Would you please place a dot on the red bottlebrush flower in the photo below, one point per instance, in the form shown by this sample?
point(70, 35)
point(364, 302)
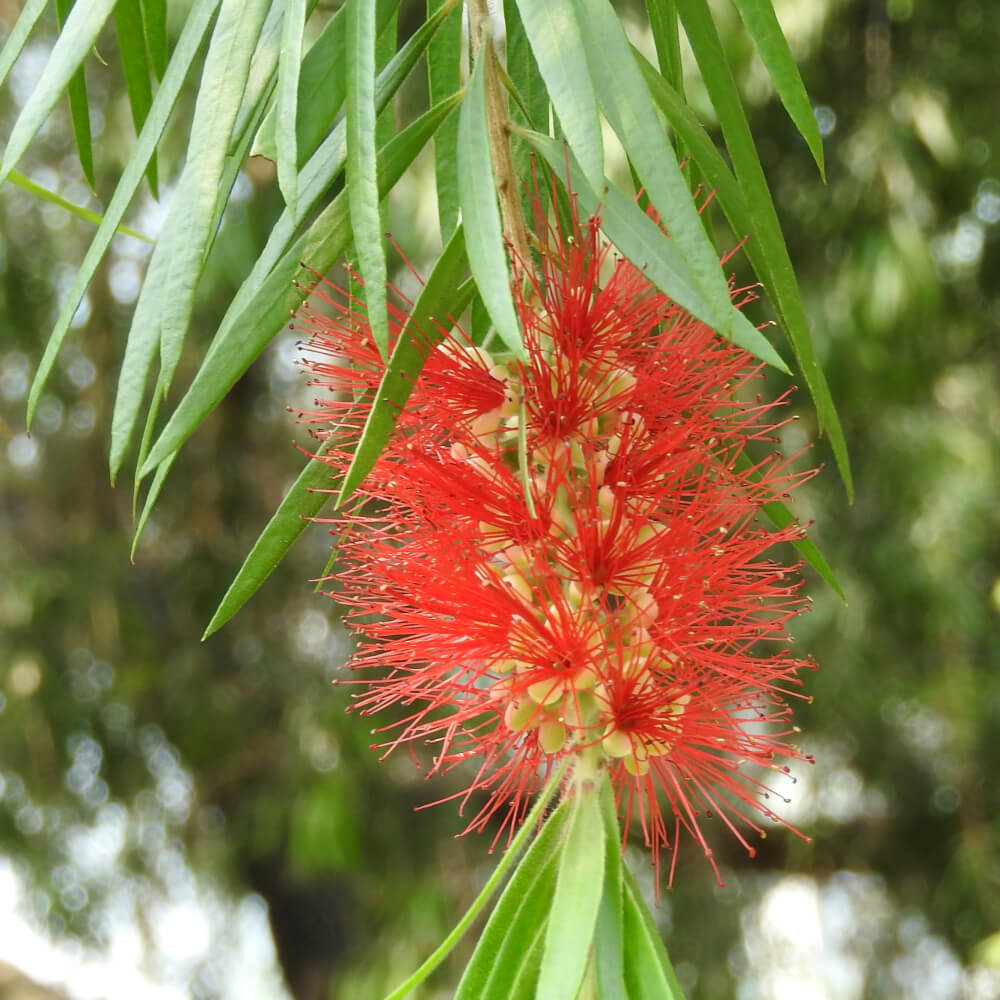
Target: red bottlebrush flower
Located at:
point(563, 555)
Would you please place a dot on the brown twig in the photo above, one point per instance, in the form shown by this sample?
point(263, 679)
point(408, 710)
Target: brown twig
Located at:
point(482, 47)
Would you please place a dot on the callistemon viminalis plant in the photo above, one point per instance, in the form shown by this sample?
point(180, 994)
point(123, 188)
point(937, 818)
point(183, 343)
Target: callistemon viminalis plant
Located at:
point(563, 555)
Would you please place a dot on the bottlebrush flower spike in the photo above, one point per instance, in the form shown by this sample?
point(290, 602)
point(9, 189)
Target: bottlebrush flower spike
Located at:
point(563, 556)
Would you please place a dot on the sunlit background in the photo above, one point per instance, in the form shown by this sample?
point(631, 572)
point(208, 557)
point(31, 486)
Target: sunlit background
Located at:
point(180, 819)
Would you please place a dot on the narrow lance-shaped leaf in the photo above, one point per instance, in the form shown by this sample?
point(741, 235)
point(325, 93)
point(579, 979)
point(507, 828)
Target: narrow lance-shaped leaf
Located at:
point(772, 47)
point(666, 38)
point(256, 98)
point(132, 46)
point(648, 972)
point(441, 297)
point(195, 26)
point(528, 829)
point(79, 107)
point(255, 313)
point(444, 79)
point(76, 39)
point(154, 26)
point(480, 214)
point(12, 48)
point(16, 177)
point(289, 62)
point(629, 108)
point(362, 188)
point(556, 35)
point(304, 499)
point(577, 897)
point(322, 87)
point(609, 931)
point(644, 243)
point(521, 910)
point(289, 521)
point(167, 295)
point(704, 38)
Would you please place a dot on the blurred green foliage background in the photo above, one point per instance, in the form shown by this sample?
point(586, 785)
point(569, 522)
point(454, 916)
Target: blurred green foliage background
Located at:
point(148, 780)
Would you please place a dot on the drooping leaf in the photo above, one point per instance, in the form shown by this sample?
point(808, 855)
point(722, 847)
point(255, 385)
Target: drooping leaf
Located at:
point(79, 32)
point(647, 246)
point(362, 187)
point(44, 194)
point(772, 47)
point(609, 931)
point(521, 910)
point(165, 301)
point(442, 296)
point(444, 78)
point(666, 38)
point(577, 898)
point(528, 829)
point(299, 504)
point(704, 39)
point(648, 972)
point(258, 312)
point(523, 70)
point(195, 26)
point(780, 516)
point(79, 107)
point(322, 87)
point(132, 46)
point(154, 26)
point(629, 108)
point(289, 63)
point(480, 214)
point(304, 499)
point(555, 33)
point(12, 48)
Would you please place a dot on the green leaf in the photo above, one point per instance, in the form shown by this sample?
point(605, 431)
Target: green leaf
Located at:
point(609, 931)
point(444, 79)
point(195, 26)
point(304, 500)
point(289, 63)
point(523, 69)
point(666, 38)
point(704, 39)
point(525, 983)
point(261, 306)
point(362, 187)
point(556, 35)
point(76, 39)
point(521, 910)
point(648, 972)
point(630, 110)
point(162, 313)
point(322, 87)
point(132, 46)
point(480, 214)
point(440, 298)
point(154, 26)
point(79, 107)
point(528, 826)
point(12, 48)
point(772, 46)
point(647, 246)
point(16, 177)
point(781, 517)
point(576, 901)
